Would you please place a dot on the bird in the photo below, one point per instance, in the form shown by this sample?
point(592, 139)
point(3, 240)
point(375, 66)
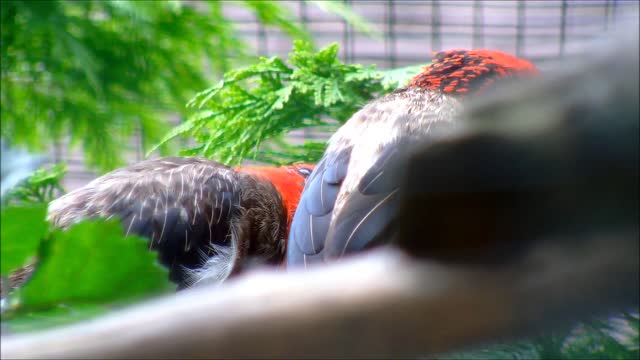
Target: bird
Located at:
point(349, 202)
point(206, 220)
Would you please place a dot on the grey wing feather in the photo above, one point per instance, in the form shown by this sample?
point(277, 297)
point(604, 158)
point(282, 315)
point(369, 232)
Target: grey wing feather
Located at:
point(349, 202)
point(313, 215)
point(369, 210)
point(368, 213)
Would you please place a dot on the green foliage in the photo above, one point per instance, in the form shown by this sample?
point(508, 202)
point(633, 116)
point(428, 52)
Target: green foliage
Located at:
point(90, 266)
point(41, 187)
point(613, 338)
point(75, 267)
point(248, 113)
point(353, 19)
point(17, 165)
point(96, 70)
point(400, 76)
point(23, 216)
point(271, 13)
point(616, 337)
point(22, 229)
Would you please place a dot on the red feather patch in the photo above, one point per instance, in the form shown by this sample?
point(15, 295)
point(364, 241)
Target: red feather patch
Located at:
point(470, 71)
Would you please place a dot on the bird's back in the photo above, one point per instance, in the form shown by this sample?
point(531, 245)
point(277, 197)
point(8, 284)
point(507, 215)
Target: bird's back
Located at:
point(194, 212)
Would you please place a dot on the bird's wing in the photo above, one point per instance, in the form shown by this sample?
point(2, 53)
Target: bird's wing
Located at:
point(183, 205)
point(349, 200)
point(320, 230)
point(313, 215)
point(368, 209)
point(367, 213)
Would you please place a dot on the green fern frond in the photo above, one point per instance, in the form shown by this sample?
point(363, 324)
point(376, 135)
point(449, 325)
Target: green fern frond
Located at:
point(268, 99)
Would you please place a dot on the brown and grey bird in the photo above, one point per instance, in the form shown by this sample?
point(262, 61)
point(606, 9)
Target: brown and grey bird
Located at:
point(204, 218)
point(350, 199)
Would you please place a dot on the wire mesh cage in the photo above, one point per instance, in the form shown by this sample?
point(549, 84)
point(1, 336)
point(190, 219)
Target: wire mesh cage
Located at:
point(410, 30)
point(406, 32)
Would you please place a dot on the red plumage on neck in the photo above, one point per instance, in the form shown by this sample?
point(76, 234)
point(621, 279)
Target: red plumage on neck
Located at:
point(287, 180)
point(470, 71)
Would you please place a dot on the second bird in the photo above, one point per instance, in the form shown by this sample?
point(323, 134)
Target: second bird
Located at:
point(350, 199)
point(204, 218)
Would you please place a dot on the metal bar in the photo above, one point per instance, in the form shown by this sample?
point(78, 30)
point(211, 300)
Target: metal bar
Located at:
point(261, 37)
point(563, 27)
point(436, 41)
point(346, 37)
point(521, 23)
point(478, 23)
point(607, 14)
point(390, 43)
point(306, 132)
point(352, 43)
point(543, 21)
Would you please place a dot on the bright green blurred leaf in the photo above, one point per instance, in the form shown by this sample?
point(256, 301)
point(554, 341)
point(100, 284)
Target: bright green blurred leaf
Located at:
point(271, 13)
point(345, 12)
point(22, 229)
point(42, 186)
point(394, 78)
point(93, 262)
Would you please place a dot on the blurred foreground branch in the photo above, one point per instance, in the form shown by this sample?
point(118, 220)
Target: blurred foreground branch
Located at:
point(551, 158)
point(380, 305)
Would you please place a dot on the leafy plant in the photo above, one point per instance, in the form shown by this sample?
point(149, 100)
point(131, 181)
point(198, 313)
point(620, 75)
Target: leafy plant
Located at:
point(249, 112)
point(92, 266)
point(42, 186)
point(75, 268)
point(17, 164)
point(94, 71)
point(22, 229)
point(614, 337)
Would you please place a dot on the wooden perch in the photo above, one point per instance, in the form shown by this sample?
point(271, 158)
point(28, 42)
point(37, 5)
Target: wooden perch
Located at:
point(380, 304)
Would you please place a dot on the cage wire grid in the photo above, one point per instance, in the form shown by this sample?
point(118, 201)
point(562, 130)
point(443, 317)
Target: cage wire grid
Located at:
point(542, 31)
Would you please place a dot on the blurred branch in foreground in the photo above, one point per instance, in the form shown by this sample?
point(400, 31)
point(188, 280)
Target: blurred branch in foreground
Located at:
point(556, 157)
point(380, 305)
